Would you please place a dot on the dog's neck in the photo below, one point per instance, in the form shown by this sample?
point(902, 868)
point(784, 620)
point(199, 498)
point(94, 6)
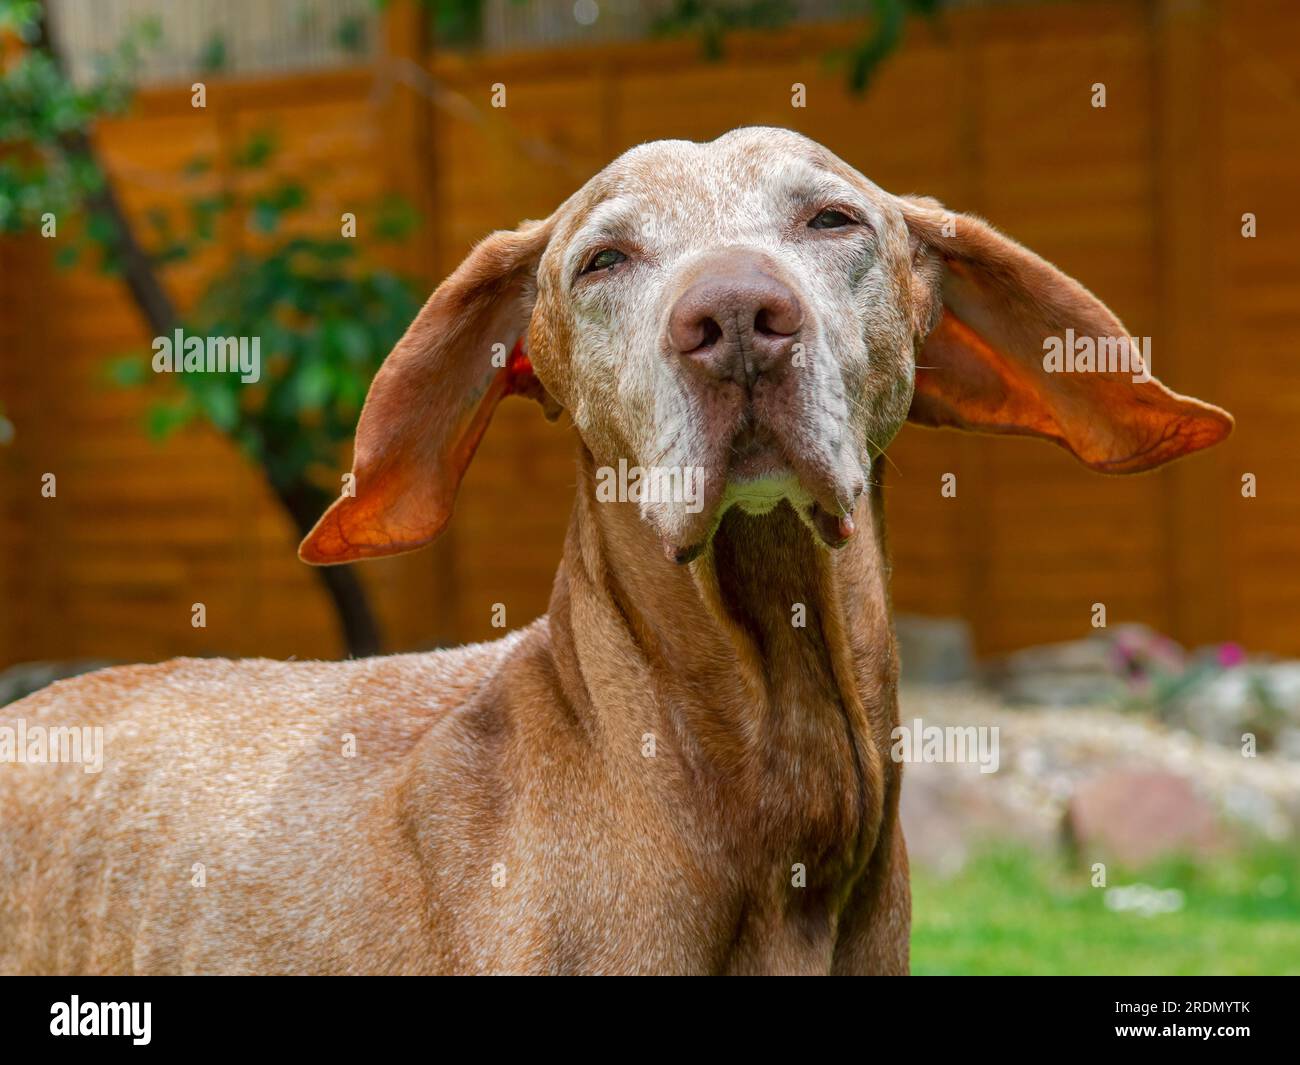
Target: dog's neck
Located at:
point(767, 666)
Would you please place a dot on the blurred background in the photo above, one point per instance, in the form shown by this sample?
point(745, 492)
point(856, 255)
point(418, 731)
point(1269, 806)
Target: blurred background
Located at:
point(306, 170)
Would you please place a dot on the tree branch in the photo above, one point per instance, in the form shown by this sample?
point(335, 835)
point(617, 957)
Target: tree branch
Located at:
point(137, 268)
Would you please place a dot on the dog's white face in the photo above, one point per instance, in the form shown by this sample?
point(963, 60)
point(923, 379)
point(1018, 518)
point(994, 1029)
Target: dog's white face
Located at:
point(741, 320)
point(739, 309)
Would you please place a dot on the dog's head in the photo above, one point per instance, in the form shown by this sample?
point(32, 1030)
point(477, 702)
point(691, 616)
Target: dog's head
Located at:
point(742, 322)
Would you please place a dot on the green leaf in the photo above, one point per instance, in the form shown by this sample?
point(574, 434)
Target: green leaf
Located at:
point(128, 371)
point(221, 405)
point(265, 217)
point(256, 150)
point(350, 34)
point(313, 386)
point(165, 418)
point(66, 257)
point(213, 57)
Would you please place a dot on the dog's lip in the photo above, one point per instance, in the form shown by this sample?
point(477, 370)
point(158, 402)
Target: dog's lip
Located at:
point(759, 452)
point(835, 530)
point(756, 453)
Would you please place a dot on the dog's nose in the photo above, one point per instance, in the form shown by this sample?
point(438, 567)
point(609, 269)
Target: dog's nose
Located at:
point(737, 321)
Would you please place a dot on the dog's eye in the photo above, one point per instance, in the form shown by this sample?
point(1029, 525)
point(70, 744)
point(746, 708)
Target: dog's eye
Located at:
point(603, 260)
point(830, 219)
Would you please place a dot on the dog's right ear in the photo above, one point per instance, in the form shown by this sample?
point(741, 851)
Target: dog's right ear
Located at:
point(431, 402)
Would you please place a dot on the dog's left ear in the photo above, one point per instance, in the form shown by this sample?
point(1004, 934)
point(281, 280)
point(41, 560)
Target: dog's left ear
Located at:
point(989, 310)
point(431, 402)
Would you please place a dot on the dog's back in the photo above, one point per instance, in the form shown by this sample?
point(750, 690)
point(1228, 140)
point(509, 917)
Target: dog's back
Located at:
point(248, 815)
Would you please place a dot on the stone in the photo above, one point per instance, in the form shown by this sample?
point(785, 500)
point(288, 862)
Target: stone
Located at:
point(950, 813)
point(934, 650)
point(1086, 672)
point(1260, 698)
point(1134, 816)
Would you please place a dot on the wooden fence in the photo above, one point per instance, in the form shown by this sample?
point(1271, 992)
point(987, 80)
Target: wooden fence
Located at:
point(989, 110)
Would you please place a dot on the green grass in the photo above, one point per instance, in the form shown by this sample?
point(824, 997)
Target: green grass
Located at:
point(1013, 913)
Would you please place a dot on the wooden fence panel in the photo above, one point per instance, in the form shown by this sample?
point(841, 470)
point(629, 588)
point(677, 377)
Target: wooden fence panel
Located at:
point(990, 111)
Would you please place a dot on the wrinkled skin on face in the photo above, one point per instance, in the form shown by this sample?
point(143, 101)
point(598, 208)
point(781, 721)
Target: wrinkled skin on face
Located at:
point(599, 339)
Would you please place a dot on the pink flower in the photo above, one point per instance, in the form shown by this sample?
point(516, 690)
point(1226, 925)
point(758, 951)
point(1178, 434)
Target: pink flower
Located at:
point(1230, 654)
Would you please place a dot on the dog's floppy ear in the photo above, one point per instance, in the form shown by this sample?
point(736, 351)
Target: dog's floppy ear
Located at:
point(990, 311)
point(431, 401)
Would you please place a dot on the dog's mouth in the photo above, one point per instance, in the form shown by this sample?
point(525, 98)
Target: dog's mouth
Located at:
point(760, 476)
point(762, 471)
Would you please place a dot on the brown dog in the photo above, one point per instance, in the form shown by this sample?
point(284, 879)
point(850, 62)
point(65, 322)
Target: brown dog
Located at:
point(684, 767)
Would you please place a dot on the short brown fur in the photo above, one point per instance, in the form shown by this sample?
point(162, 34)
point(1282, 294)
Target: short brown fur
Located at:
point(664, 774)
